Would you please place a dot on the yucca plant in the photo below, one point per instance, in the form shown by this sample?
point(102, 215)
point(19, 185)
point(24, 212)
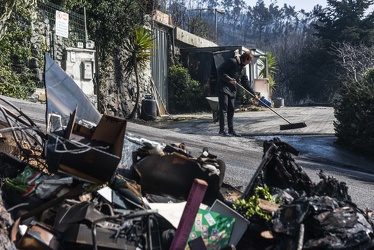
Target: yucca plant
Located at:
point(272, 69)
point(139, 48)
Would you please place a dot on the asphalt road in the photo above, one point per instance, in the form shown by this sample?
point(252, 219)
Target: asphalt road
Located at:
point(243, 155)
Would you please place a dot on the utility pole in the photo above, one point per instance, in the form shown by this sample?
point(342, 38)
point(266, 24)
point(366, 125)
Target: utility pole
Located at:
point(220, 11)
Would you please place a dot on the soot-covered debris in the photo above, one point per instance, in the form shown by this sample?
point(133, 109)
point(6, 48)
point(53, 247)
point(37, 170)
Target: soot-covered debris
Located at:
point(310, 215)
point(69, 201)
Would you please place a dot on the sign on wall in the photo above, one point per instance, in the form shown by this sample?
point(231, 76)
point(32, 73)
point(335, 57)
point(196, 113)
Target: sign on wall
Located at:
point(62, 24)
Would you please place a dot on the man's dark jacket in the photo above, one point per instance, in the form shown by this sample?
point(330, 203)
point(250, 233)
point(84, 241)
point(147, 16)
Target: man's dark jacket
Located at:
point(232, 68)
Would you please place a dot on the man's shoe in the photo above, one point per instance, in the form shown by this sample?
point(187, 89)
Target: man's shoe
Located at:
point(233, 133)
point(223, 133)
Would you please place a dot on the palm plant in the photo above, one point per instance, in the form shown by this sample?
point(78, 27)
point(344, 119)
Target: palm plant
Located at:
point(139, 48)
point(272, 69)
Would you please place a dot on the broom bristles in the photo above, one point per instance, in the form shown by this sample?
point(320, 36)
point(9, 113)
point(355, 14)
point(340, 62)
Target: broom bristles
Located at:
point(293, 126)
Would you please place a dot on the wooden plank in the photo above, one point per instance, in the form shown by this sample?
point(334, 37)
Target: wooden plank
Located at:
point(194, 199)
point(160, 103)
point(267, 205)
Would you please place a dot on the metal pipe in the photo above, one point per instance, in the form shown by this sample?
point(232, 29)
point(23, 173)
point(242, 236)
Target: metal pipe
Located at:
point(221, 11)
point(85, 25)
point(215, 17)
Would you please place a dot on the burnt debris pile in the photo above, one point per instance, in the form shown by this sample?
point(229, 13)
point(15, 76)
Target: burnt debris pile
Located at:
point(78, 194)
point(83, 183)
point(305, 215)
point(67, 188)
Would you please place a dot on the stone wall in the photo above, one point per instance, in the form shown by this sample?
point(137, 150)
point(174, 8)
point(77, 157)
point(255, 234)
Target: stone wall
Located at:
point(42, 40)
point(118, 92)
point(39, 42)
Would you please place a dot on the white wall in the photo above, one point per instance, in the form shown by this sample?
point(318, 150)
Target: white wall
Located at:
point(79, 64)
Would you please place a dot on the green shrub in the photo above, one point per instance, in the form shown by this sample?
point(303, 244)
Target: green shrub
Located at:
point(15, 53)
point(185, 93)
point(354, 113)
point(250, 208)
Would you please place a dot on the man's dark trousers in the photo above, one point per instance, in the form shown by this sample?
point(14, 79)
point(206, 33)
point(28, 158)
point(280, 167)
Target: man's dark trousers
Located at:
point(226, 109)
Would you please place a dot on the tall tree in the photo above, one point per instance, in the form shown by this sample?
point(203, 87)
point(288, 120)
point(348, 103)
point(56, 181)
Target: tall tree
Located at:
point(356, 60)
point(178, 14)
point(199, 26)
point(277, 20)
point(110, 22)
point(345, 21)
point(212, 4)
point(261, 20)
point(341, 21)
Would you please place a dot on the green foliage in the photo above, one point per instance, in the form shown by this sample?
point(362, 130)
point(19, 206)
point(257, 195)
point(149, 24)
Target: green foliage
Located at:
point(138, 47)
point(187, 93)
point(110, 22)
point(368, 75)
point(344, 21)
point(15, 53)
point(250, 209)
point(319, 72)
point(314, 74)
point(272, 69)
point(354, 113)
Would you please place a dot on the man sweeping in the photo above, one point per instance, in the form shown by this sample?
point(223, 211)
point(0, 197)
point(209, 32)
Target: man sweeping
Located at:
point(231, 72)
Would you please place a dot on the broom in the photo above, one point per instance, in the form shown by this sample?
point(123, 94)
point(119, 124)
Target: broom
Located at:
point(282, 127)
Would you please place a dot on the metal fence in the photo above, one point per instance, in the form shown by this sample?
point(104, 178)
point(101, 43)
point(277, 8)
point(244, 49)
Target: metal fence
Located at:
point(77, 30)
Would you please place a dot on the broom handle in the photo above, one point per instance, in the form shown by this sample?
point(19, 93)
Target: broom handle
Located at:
point(262, 102)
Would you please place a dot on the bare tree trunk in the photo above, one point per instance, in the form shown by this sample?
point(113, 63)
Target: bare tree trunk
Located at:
point(135, 109)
